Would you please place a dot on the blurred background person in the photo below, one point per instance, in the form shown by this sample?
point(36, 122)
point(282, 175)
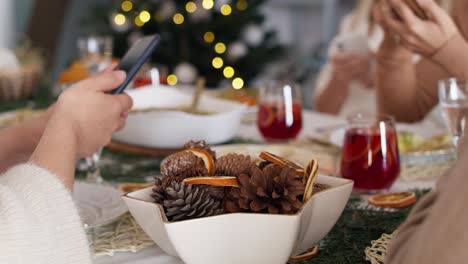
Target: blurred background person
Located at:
point(406, 90)
point(346, 83)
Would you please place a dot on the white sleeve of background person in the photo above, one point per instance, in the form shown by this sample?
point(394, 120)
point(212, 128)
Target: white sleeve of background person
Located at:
point(39, 222)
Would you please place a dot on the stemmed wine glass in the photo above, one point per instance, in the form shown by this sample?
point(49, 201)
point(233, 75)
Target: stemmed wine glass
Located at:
point(453, 98)
point(94, 173)
point(96, 54)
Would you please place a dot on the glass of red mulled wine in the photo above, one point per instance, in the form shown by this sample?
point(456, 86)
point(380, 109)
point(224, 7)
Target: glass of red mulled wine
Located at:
point(279, 115)
point(370, 153)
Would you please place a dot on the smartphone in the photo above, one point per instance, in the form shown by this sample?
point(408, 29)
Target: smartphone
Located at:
point(353, 42)
point(417, 10)
point(134, 59)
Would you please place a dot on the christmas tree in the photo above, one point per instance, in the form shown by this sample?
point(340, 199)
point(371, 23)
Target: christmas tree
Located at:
point(221, 40)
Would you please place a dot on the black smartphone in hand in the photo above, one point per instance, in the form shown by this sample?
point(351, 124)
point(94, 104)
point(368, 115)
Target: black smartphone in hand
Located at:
point(135, 58)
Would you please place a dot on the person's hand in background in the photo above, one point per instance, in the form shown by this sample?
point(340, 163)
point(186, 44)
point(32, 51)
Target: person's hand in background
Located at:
point(83, 120)
point(418, 35)
point(347, 67)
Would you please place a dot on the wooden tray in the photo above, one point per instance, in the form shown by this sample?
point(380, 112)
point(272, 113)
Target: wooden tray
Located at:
point(140, 150)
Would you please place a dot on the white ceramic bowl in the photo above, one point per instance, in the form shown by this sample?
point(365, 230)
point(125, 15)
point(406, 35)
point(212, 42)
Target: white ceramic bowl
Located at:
point(172, 129)
point(243, 237)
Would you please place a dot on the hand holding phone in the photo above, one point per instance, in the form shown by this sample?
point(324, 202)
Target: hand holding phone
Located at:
point(431, 34)
point(135, 58)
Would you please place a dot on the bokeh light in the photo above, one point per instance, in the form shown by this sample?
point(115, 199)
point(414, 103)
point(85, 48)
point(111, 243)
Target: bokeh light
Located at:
point(209, 37)
point(238, 83)
point(144, 16)
point(226, 10)
point(126, 6)
point(138, 21)
point(191, 7)
point(228, 72)
point(220, 48)
point(208, 4)
point(119, 19)
point(242, 5)
point(178, 18)
point(217, 63)
point(172, 79)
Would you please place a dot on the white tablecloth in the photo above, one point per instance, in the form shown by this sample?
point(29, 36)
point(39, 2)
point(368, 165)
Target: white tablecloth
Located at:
point(312, 121)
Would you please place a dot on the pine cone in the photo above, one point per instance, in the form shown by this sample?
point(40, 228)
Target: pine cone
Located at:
point(187, 202)
point(200, 145)
point(159, 191)
point(233, 165)
point(161, 184)
point(215, 192)
point(273, 190)
point(183, 164)
point(166, 180)
point(263, 164)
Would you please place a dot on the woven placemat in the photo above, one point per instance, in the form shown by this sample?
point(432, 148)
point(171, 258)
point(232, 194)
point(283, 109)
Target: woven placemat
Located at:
point(377, 252)
point(123, 235)
point(424, 171)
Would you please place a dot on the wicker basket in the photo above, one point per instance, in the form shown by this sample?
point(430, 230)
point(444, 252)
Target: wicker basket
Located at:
point(19, 84)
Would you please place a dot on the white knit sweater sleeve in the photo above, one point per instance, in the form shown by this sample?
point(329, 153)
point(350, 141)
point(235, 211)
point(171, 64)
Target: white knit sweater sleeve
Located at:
point(38, 219)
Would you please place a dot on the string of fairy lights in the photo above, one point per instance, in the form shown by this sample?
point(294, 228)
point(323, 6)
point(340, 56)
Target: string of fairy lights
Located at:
point(209, 37)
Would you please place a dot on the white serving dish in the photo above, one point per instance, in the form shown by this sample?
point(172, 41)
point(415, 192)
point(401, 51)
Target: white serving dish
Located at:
point(172, 129)
point(243, 237)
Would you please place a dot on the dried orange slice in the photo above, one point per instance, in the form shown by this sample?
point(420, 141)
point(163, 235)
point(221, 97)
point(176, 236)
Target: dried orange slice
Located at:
point(128, 187)
point(311, 175)
point(281, 162)
point(310, 253)
point(265, 116)
point(393, 200)
point(222, 181)
point(206, 157)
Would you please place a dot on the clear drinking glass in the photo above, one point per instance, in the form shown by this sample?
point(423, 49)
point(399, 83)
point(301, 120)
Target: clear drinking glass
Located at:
point(94, 173)
point(96, 54)
point(370, 153)
point(453, 98)
point(279, 115)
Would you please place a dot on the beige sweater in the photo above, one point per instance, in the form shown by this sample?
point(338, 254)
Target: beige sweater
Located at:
point(38, 220)
point(436, 230)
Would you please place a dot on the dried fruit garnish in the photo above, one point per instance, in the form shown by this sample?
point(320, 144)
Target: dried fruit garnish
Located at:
point(393, 200)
